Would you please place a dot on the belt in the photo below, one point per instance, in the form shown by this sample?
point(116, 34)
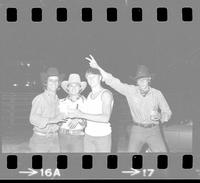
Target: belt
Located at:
point(145, 125)
point(46, 134)
point(75, 132)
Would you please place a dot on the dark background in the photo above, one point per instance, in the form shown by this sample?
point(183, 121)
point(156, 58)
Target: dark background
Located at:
point(170, 49)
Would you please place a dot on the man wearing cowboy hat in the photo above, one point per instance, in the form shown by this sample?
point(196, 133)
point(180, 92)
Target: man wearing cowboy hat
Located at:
point(145, 103)
point(45, 114)
point(71, 132)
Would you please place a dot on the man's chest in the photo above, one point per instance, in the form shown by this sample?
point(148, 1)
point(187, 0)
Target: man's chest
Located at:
point(141, 101)
point(50, 106)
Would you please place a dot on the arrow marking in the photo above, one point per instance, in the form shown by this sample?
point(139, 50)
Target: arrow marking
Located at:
point(132, 172)
point(30, 172)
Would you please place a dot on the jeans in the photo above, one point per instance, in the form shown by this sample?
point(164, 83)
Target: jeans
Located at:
point(97, 144)
point(71, 143)
point(44, 144)
point(152, 136)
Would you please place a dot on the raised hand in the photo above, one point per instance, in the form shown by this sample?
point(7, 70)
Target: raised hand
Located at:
point(156, 117)
point(92, 62)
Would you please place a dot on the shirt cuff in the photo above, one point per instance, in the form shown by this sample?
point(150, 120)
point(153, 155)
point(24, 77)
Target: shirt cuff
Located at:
point(43, 124)
point(108, 78)
point(165, 117)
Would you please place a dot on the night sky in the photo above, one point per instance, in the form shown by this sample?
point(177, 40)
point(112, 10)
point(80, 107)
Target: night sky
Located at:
point(170, 49)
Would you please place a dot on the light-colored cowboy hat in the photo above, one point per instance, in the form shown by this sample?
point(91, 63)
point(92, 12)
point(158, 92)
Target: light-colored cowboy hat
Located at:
point(52, 71)
point(142, 72)
point(73, 78)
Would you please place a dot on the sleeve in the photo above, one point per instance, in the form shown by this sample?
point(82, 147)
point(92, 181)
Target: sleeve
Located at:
point(36, 117)
point(61, 106)
point(116, 84)
point(164, 107)
point(82, 104)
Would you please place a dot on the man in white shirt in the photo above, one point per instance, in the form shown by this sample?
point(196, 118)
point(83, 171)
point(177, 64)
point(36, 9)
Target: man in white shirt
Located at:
point(98, 109)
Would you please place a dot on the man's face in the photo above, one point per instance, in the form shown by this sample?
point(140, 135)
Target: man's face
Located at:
point(93, 79)
point(74, 88)
point(143, 83)
point(52, 83)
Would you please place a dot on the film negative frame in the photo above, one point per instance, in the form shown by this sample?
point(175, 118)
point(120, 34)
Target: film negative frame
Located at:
point(102, 165)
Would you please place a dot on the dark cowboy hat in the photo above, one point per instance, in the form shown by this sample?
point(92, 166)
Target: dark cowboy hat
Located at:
point(52, 71)
point(142, 72)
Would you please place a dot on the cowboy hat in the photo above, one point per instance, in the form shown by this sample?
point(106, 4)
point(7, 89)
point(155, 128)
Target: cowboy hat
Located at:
point(52, 71)
point(73, 78)
point(142, 72)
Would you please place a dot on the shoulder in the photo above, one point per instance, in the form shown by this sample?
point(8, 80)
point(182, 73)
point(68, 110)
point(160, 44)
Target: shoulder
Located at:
point(82, 98)
point(88, 95)
point(38, 98)
point(62, 99)
point(156, 92)
point(107, 94)
point(132, 86)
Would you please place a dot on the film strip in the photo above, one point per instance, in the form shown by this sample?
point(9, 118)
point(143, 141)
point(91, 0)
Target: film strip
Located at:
point(97, 165)
point(61, 14)
point(116, 19)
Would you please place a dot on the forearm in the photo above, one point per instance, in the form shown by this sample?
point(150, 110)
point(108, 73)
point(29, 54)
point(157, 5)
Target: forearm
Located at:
point(114, 82)
point(39, 121)
point(104, 74)
point(165, 116)
point(101, 118)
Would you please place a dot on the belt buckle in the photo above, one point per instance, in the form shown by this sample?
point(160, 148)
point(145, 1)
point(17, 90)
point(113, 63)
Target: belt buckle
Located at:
point(151, 125)
point(146, 125)
point(51, 134)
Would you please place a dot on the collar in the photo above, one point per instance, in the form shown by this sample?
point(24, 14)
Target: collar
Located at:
point(145, 93)
point(50, 94)
point(72, 100)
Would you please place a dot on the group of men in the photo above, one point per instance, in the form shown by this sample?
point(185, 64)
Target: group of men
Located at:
point(82, 124)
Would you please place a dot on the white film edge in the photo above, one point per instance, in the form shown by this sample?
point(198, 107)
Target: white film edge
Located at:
point(99, 89)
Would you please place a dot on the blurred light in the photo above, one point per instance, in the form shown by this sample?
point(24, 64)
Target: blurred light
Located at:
point(15, 84)
point(28, 65)
point(22, 63)
point(27, 83)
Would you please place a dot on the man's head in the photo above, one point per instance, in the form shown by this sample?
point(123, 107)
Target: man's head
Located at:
point(143, 77)
point(51, 79)
point(143, 82)
point(74, 85)
point(93, 77)
point(52, 83)
point(74, 89)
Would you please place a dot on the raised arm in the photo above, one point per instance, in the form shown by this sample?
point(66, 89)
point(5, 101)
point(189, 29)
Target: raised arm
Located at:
point(109, 79)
